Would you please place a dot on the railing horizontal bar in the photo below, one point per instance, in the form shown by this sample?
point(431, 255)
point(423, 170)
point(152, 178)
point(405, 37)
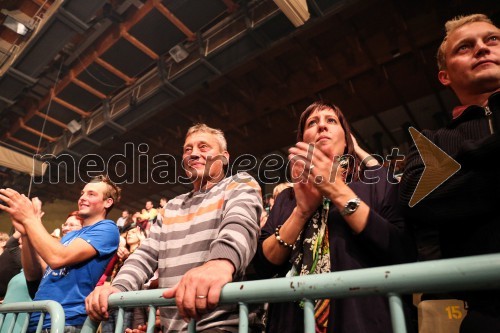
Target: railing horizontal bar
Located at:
point(33, 306)
point(445, 275)
point(57, 318)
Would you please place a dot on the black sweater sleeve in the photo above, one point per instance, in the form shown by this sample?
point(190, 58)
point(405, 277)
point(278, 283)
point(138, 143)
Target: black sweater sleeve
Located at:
point(281, 211)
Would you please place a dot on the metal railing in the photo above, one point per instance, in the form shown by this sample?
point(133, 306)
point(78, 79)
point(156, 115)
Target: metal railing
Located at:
point(57, 319)
point(437, 276)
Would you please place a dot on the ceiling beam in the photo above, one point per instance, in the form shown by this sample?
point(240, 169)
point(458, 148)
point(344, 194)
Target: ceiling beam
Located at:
point(22, 143)
point(86, 87)
point(191, 36)
point(138, 44)
point(34, 131)
point(52, 120)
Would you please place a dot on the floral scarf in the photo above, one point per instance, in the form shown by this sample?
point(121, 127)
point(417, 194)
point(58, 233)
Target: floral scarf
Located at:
point(311, 255)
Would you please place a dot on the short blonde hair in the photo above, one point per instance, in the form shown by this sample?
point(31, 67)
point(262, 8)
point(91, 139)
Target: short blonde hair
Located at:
point(450, 27)
point(219, 135)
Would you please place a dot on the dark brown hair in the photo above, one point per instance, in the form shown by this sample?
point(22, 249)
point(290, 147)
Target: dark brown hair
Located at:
point(349, 149)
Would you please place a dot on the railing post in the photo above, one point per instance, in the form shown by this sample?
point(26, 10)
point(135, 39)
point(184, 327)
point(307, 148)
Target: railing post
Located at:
point(12, 324)
point(119, 320)
point(397, 313)
point(243, 322)
point(89, 326)
point(192, 326)
point(151, 319)
point(309, 321)
point(40, 323)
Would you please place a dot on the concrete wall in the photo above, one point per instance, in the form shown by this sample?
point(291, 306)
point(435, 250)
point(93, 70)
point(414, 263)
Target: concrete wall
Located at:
point(55, 215)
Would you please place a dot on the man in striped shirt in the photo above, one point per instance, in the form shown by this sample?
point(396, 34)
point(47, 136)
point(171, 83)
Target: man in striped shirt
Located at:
point(207, 239)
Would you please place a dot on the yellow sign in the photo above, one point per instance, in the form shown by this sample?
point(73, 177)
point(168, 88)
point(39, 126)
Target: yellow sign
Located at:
point(439, 166)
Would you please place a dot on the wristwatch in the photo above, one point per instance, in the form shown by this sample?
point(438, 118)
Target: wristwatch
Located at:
point(350, 207)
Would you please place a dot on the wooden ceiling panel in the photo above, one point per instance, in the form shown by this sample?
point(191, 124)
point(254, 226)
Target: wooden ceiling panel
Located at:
point(59, 112)
point(157, 32)
point(79, 97)
point(206, 11)
point(127, 58)
point(47, 127)
point(350, 57)
point(100, 79)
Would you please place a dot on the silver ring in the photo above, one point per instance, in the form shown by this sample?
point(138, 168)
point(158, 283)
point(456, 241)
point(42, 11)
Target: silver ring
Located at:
point(201, 296)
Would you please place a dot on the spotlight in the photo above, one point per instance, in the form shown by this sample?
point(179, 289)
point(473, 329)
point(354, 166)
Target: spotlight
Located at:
point(74, 126)
point(178, 53)
point(15, 26)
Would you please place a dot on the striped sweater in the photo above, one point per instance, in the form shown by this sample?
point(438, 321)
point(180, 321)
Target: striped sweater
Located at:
point(221, 223)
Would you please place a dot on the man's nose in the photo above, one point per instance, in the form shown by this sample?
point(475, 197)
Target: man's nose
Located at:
point(481, 48)
point(195, 154)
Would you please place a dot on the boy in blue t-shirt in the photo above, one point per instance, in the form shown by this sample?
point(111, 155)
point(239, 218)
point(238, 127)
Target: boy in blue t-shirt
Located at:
point(69, 270)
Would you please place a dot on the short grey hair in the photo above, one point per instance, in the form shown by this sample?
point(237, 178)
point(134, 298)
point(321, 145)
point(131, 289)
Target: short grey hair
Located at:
point(219, 135)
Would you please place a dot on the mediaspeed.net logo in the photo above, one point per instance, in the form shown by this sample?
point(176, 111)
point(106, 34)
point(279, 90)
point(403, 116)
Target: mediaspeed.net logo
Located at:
point(135, 166)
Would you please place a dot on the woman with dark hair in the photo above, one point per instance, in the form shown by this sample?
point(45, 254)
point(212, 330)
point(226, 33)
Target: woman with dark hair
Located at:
point(338, 216)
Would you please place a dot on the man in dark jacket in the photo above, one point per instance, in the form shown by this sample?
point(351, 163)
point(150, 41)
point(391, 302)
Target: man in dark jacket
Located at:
point(464, 209)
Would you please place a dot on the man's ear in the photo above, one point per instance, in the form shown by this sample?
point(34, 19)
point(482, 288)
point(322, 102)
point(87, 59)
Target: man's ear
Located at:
point(444, 78)
point(108, 202)
point(226, 158)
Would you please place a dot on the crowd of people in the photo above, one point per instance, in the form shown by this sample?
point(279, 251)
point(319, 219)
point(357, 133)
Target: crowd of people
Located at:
point(330, 218)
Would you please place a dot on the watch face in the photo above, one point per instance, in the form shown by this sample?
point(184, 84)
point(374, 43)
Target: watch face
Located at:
point(351, 206)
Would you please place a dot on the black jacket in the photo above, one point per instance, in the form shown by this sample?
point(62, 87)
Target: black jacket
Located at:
point(463, 211)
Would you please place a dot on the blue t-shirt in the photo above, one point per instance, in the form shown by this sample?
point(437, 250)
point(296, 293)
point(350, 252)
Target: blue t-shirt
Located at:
point(70, 285)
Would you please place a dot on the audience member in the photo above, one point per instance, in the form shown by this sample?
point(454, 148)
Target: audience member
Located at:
point(133, 237)
point(208, 237)
point(75, 264)
point(136, 217)
point(148, 216)
point(263, 218)
point(56, 233)
point(122, 219)
point(17, 291)
point(163, 204)
point(73, 222)
point(4, 237)
point(333, 219)
point(280, 187)
point(10, 262)
point(461, 213)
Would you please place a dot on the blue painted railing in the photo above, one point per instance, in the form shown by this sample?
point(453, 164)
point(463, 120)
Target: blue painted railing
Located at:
point(468, 273)
point(9, 316)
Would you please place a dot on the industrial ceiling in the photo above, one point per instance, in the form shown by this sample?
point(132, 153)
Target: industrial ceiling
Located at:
point(113, 84)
